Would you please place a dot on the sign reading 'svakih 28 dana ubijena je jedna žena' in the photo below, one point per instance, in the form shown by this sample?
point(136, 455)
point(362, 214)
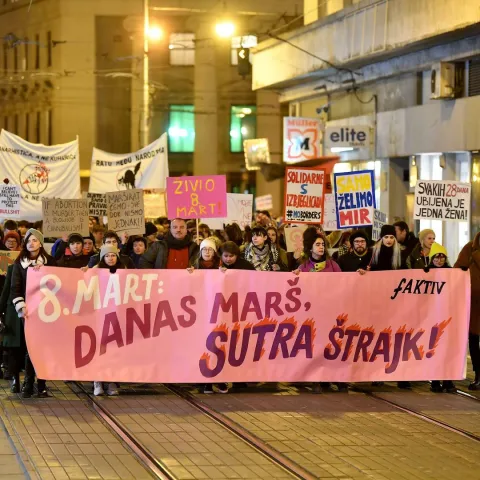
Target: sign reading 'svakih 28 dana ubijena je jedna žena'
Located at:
point(442, 200)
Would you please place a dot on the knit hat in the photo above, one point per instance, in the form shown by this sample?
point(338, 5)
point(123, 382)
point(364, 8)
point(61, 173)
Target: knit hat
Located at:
point(358, 234)
point(437, 249)
point(14, 235)
point(74, 238)
point(208, 242)
point(387, 230)
point(38, 235)
point(150, 229)
point(108, 249)
point(423, 234)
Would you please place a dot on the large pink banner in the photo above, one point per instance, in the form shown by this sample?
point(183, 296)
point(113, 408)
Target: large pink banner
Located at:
point(154, 326)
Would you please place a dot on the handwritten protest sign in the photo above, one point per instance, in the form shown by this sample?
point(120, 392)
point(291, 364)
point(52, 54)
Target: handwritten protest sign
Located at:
point(125, 212)
point(7, 257)
point(239, 211)
point(97, 204)
point(197, 197)
point(379, 220)
point(154, 203)
point(240, 326)
point(355, 198)
point(10, 201)
point(329, 213)
point(264, 202)
point(294, 239)
point(64, 216)
point(304, 191)
point(442, 200)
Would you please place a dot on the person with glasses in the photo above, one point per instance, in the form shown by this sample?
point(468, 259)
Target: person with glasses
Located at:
point(359, 256)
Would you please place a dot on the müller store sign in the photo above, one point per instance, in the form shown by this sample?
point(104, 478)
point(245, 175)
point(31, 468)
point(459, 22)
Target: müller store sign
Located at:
point(348, 137)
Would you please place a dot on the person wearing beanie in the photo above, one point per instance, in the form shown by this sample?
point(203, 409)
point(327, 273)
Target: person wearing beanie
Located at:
point(111, 238)
point(469, 259)
point(176, 251)
point(151, 233)
point(109, 258)
point(208, 259)
point(32, 255)
point(231, 258)
point(262, 254)
point(360, 254)
point(12, 241)
point(74, 256)
point(386, 255)
point(419, 258)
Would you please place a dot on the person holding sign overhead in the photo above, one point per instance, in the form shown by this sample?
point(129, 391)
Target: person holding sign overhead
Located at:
point(32, 255)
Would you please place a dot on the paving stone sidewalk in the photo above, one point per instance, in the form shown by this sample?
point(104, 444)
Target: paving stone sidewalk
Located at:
point(11, 464)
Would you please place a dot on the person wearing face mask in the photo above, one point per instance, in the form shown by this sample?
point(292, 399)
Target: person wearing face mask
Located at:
point(439, 259)
point(32, 255)
point(208, 259)
point(74, 257)
point(419, 258)
point(263, 255)
point(360, 255)
point(109, 258)
point(231, 258)
point(176, 251)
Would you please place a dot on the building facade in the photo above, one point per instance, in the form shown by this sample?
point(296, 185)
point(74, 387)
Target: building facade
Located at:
point(407, 69)
point(75, 67)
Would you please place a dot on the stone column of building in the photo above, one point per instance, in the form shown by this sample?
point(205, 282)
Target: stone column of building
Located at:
point(205, 157)
point(269, 125)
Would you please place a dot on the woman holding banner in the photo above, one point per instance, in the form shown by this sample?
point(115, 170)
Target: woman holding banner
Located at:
point(317, 259)
point(208, 259)
point(274, 237)
point(32, 255)
point(109, 258)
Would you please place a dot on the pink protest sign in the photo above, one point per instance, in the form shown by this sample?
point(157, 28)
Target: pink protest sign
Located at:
point(239, 326)
point(197, 197)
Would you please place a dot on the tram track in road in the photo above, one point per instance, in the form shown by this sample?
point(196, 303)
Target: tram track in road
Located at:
point(160, 470)
point(156, 468)
point(421, 415)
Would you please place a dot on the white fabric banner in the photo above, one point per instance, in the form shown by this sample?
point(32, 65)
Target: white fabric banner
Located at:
point(146, 169)
point(41, 171)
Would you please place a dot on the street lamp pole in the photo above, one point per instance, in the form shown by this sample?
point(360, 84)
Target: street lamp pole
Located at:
point(145, 118)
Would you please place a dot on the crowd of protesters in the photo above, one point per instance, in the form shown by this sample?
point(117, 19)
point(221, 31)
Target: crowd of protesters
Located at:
point(180, 244)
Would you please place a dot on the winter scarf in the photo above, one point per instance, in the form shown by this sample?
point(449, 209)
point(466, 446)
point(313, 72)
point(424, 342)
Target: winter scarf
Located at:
point(26, 262)
point(172, 242)
point(385, 258)
point(261, 258)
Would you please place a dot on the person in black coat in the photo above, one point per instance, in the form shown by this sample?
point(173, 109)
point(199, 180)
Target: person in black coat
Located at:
point(360, 255)
point(232, 259)
point(32, 255)
point(74, 257)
